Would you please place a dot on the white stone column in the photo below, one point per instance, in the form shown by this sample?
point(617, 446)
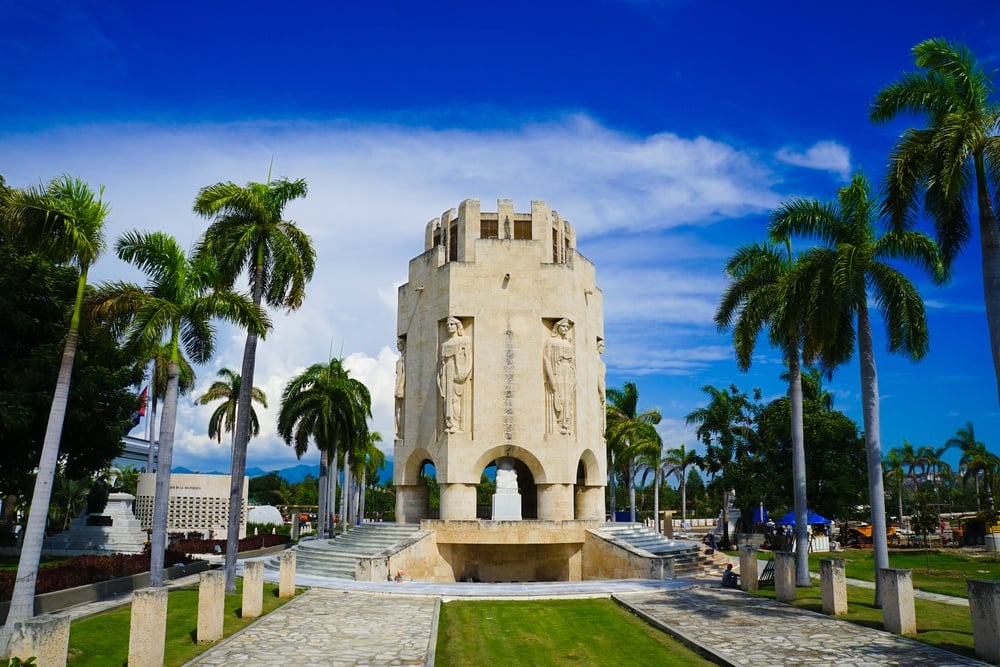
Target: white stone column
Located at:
point(784, 576)
point(44, 637)
point(589, 503)
point(458, 502)
point(748, 568)
point(984, 606)
point(555, 502)
point(898, 612)
point(211, 605)
point(253, 588)
point(833, 582)
point(148, 627)
point(286, 574)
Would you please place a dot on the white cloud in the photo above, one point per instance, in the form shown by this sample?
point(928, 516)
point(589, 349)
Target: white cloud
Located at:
point(635, 202)
point(823, 156)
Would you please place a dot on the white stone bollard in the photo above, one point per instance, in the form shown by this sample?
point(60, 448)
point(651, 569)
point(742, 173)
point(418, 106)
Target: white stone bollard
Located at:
point(748, 568)
point(984, 605)
point(148, 627)
point(45, 638)
point(784, 576)
point(899, 615)
point(286, 574)
point(833, 582)
point(253, 588)
point(211, 605)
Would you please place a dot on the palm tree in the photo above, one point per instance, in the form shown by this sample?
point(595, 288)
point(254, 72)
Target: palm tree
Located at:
point(248, 234)
point(978, 463)
point(177, 304)
point(371, 461)
point(953, 158)
point(892, 468)
point(631, 433)
point(227, 390)
point(812, 388)
point(324, 404)
point(767, 291)
point(851, 262)
point(678, 461)
point(65, 221)
point(159, 358)
point(723, 427)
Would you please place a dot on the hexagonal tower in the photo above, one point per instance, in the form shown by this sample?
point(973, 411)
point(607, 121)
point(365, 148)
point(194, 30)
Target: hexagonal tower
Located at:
point(500, 328)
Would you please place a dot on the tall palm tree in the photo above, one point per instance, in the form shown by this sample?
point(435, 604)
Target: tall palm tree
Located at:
point(978, 463)
point(227, 390)
point(632, 433)
point(678, 460)
point(159, 359)
point(723, 427)
point(852, 261)
point(952, 159)
point(892, 468)
point(326, 405)
point(65, 221)
point(176, 305)
point(249, 235)
point(767, 291)
point(371, 461)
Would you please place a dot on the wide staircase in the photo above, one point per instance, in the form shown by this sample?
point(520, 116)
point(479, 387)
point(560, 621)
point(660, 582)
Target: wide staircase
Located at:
point(336, 557)
point(692, 560)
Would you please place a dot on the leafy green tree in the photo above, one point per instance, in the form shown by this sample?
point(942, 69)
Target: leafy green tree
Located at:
point(978, 463)
point(951, 163)
point(249, 235)
point(725, 428)
point(65, 221)
point(180, 299)
point(631, 433)
point(766, 291)
point(227, 390)
point(69, 498)
point(325, 405)
point(851, 262)
point(269, 489)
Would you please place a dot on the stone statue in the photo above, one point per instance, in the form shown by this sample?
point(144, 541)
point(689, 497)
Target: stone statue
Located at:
point(506, 477)
point(602, 394)
point(559, 363)
point(400, 384)
point(97, 498)
point(506, 226)
point(453, 377)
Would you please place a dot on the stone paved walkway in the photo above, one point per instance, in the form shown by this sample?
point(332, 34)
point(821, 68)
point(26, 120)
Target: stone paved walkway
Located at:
point(749, 631)
point(336, 628)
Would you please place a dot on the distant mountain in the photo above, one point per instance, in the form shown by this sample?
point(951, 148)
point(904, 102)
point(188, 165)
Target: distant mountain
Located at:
point(292, 475)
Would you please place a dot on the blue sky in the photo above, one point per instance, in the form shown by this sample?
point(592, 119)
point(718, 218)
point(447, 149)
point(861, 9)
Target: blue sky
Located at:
point(664, 131)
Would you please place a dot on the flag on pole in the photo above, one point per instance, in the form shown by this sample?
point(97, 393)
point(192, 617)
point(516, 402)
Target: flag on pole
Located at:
point(141, 412)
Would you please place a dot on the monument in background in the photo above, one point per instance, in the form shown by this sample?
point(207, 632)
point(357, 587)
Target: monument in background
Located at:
point(500, 328)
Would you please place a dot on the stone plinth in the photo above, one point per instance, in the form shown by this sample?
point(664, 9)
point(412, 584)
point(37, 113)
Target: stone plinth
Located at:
point(984, 606)
point(748, 568)
point(784, 576)
point(211, 605)
point(506, 507)
point(148, 627)
point(113, 531)
point(833, 584)
point(898, 612)
point(286, 574)
point(253, 588)
point(46, 638)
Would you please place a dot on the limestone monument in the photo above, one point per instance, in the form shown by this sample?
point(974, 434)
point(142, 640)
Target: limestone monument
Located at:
point(107, 525)
point(500, 327)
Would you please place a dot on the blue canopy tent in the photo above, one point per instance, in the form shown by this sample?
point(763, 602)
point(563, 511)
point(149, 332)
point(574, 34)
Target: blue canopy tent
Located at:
point(812, 519)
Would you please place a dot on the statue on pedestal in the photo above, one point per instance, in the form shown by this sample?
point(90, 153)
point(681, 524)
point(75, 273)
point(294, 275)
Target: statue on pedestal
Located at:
point(454, 372)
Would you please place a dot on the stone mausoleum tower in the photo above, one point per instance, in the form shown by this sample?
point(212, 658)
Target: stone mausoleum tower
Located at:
point(500, 329)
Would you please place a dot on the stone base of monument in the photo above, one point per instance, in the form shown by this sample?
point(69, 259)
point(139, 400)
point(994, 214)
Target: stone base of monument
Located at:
point(113, 531)
point(506, 506)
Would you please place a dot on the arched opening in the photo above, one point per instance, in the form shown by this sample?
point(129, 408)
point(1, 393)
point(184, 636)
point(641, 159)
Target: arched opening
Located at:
point(516, 479)
point(429, 491)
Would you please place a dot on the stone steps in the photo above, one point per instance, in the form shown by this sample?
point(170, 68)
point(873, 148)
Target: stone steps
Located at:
point(336, 558)
point(691, 559)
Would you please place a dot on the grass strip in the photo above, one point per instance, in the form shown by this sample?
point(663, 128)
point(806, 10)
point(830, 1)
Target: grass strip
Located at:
point(943, 625)
point(553, 632)
point(102, 640)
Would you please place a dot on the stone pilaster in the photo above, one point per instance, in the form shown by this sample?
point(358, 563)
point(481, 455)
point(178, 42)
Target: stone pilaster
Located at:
point(833, 583)
point(898, 612)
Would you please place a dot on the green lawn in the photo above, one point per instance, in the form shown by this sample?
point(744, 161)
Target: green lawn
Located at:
point(102, 640)
point(942, 625)
point(552, 632)
point(941, 572)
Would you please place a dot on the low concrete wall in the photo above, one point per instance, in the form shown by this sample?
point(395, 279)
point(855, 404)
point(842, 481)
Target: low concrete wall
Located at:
point(47, 603)
point(611, 558)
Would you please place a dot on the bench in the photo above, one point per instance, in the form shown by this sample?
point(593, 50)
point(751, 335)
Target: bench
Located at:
point(766, 577)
